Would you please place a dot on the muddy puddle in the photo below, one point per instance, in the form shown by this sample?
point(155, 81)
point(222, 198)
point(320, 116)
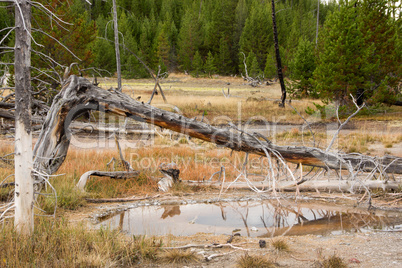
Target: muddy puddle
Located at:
point(249, 218)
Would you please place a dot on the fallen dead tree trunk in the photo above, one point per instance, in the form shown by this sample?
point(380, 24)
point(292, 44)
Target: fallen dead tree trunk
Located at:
point(6, 114)
point(78, 96)
point(312, 186)
point(10, 115)
point(111, 174)
point(96, 128)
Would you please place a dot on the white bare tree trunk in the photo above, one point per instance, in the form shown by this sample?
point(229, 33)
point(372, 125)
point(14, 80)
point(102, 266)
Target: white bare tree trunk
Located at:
point(116, 45)
point(23, 136)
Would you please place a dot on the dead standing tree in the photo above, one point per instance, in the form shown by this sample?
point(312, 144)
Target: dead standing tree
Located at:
point(253, 81)
point(78, 96)
point(24, 194)
point(278, 56)
point(23, 201)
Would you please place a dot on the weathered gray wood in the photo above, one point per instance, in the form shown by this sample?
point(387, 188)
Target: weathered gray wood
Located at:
point(118, 175)
point(23, 197)
point(311, 186)
point(9, 114)
point(78, 96)
point(6, 105)
point(6, 114)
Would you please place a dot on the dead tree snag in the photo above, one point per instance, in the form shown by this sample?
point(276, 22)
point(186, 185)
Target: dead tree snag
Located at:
point(78, 95)
point(24, 194)
point(278, 56)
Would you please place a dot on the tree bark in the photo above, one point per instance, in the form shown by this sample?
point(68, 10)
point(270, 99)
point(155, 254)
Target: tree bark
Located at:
point(278, 56)
point(23, 219)
point(6, 114)
point(79, 95)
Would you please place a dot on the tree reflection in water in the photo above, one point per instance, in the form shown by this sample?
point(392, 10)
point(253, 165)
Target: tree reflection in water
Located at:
point(266, 218)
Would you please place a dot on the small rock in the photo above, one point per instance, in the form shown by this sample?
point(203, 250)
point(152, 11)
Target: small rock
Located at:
point(254, 229)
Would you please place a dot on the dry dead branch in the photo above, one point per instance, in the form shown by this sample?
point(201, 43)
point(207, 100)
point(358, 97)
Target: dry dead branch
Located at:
point(119, 200)
point(119, 175)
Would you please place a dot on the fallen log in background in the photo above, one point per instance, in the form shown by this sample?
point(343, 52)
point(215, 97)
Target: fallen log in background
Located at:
point(111, 174)
point(312, 186)
point(78, 95)
point(119, 200)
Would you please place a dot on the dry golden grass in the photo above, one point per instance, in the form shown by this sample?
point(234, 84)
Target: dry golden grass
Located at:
point(253, 261)
point(196, 96)
point(356, 141)
point(221, 110)
point(179, 257)
point(57, 243)
point(195, 164)
point(199, 96)
point(197, 161)
point(6, 163)
point(333, 261)
point(80, 161)
point(280, 244)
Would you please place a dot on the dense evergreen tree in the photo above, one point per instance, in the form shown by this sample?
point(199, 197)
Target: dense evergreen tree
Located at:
point(270, 65)
point(189, 37)
point(210, 67)
point(198, 64)
point(357, 52)
point(163, 46)
point(380, 31)
point(303, 66)
point(224, 27)
point(359, 47)
point(77, 36)
point(257, 32)
point(241, 14)
point(6, 21)
point(254, 68)
point(225, 61)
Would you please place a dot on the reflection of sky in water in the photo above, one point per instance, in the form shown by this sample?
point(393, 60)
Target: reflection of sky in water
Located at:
point(222, 219)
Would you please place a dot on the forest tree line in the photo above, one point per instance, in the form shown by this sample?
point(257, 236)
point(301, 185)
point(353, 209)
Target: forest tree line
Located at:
point(357, 50)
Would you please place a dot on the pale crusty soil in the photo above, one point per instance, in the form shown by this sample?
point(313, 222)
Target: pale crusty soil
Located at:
point(374, 249)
